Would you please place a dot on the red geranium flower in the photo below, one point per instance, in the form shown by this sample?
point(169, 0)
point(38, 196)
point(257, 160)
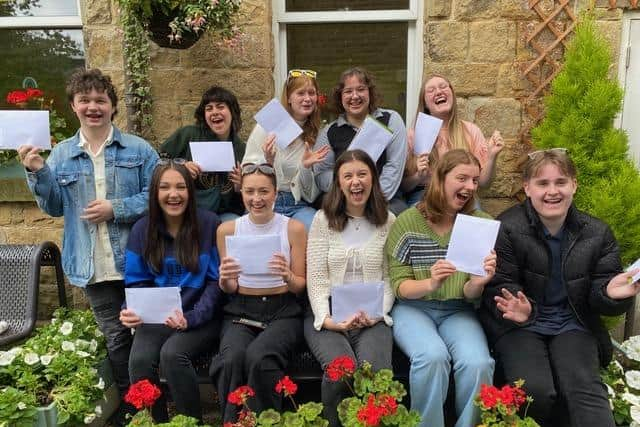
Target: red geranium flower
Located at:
point(286, 386)
point(34, 93)
point(388, 404)
point(489, 396)
point(322, 99)
point(240, 395)
point(142, 394)
point(17, 97)
point(371, 414)
point(340, 367)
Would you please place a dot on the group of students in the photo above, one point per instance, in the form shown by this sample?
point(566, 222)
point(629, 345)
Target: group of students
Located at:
point(554, 270)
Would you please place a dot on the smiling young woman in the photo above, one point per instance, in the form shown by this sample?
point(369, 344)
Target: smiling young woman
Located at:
point(434, 320)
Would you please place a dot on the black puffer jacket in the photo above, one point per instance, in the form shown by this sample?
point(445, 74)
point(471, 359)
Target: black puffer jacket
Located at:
point(589, 259)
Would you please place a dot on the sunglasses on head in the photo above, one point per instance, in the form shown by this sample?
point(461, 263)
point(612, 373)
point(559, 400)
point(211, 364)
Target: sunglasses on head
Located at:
point(264, 168)
point(535, 154)
point(163, 161)
point(299, 73)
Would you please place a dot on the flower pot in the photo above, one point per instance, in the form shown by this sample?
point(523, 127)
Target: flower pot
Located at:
point(158, 31)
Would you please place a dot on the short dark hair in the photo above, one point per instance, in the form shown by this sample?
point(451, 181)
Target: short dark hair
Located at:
point(365, 77)
point(83, 81)
point(220, 94)
point(334, 204)
point(186, 243)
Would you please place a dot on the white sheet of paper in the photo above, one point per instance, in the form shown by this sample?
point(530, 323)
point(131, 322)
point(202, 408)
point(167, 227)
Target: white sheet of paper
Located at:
point(153, 305)
point(213, 156)
point(372, 138)
point(426, 132)
point(348, 299)
point(633, 267)
point(472, 239)
point(274, 118)
point(18, 127)
point(253, 253)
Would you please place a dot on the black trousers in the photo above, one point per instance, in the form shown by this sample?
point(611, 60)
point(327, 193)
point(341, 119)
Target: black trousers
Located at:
point(253, 356)
point(160, 347)
point(563, 367)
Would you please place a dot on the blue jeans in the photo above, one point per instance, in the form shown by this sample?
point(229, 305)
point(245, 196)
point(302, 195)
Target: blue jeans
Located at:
point(287, 206)
point(436, 336)
point(414, 196)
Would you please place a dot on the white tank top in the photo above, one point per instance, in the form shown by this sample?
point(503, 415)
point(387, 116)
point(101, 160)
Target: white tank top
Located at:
point(279, 225)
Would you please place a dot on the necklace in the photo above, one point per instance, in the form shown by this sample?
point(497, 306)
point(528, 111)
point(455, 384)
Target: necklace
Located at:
point(357, 222)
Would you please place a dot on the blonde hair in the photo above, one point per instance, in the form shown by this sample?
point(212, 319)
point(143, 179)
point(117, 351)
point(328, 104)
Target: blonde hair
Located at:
point(311, 126)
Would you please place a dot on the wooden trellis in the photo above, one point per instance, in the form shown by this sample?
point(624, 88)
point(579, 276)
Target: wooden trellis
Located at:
point(548, 39)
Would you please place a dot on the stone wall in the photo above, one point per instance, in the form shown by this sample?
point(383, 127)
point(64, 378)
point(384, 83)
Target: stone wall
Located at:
point(478, 44)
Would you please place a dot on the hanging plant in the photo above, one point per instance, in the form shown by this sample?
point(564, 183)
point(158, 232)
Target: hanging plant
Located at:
point(168, 23)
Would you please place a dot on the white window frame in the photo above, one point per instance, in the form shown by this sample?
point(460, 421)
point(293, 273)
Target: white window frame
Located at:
point(625, 46)
point(71, 22)
point(413, 16)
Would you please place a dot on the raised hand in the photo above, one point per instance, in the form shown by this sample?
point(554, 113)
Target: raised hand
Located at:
point(621, 286)
point(422, 164)
point(193, 168)
point(269, 148)
point(30, 157)
point(514, 308)
point(235, 176)
point(310, 157)
point(496, 143)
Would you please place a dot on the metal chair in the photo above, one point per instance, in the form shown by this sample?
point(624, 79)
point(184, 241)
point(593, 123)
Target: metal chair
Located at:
point(19, 285)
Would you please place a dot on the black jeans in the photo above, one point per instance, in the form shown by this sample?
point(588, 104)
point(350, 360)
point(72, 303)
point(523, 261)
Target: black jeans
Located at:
point(160, 347)
point(374, 344)
point(254, 356)
point(106, 299)
point(563, 367)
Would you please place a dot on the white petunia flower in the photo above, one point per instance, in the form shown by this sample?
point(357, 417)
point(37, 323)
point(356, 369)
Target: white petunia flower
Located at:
point(610, 391)
point(100, 384)
point(66, 328)
point(631, 399)
point(98, 409)
point(22, 406)
point(89, 418)
point(93, 345)
point(93, 371)
point(635, 413)
point(633, 379)
point(98, 333)
point(82, 353)
point(46, 359)
point(31, 358)
point(15, 351)
point(6, 358)
point(68, 346)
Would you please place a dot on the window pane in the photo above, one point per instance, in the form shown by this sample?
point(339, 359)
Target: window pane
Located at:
point(379, 47)
point(323, 5)
point(38, 8)
point(42, 59)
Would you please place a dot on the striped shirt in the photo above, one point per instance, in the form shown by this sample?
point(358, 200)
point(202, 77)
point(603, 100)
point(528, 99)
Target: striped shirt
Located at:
point(413, 247)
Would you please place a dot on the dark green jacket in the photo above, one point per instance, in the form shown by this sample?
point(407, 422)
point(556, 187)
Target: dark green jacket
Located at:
point(214, 190)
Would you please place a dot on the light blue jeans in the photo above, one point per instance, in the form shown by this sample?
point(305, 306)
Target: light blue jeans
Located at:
point(436, 336)
point(287, 206)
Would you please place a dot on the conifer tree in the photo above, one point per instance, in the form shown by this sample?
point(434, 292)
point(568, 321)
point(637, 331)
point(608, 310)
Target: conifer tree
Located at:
point(579, 116)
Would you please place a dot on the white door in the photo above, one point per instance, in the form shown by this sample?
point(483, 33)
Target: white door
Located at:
point(631, 107)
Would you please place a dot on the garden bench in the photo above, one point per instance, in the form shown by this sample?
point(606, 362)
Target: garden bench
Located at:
point(19, 285)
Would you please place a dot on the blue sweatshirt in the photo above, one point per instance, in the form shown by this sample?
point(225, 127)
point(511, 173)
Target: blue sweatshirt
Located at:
point(200, 292)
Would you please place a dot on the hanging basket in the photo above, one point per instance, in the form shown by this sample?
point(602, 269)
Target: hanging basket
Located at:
point(158, 31)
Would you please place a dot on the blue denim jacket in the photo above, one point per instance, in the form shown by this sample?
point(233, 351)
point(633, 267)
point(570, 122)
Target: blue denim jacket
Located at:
point(65, 185)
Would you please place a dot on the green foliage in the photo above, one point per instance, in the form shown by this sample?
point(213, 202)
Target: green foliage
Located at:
point(58, 363)
point(17, 408)
point(579, 116)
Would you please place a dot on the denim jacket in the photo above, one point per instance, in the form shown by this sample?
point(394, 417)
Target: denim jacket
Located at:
point(66, 184)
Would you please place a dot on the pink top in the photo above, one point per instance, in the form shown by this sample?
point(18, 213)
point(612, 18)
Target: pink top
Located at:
point(477, 144)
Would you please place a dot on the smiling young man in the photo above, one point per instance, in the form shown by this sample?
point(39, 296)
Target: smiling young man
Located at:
point(356, 97)
point(558, 271)
point(98, 180)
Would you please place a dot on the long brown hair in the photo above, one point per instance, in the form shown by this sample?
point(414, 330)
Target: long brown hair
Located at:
point(433, 205)
point(334, 204)
point(458, 136)
point(186, 243)
point(311, 126)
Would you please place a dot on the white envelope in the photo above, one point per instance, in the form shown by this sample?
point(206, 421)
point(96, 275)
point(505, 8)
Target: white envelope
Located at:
point(472, 239)
point(426, 133)
point(348, 299)
point(372, 138)
point(633, 267)
point(19, 127)
point(253, 253)
point(153, 305)
point(213, 156)
point(274, 118)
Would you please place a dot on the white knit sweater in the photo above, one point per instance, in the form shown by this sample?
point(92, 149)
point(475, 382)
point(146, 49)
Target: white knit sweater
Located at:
point(327, 264)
